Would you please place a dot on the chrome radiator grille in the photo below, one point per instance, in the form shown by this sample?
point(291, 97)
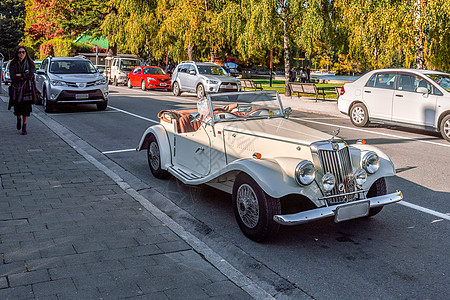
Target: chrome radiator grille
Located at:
point(338, 163)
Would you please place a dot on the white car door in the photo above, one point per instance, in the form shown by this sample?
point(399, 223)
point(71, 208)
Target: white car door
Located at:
point(378, 94)
point(192, 151)
point(412, 107)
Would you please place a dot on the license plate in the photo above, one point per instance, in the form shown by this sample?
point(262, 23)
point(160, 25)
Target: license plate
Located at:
point(81, 96)
point(352, 211)
point(163, 84)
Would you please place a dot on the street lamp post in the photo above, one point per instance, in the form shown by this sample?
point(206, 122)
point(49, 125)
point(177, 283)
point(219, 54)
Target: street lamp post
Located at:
point(2, 58)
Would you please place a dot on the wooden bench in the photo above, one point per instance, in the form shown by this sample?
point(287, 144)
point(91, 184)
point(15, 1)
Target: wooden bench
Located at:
point(250, 84)
point(306, 88)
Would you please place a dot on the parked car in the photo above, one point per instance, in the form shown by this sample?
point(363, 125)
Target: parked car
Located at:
point(407, 97)
point(6, 77)
point(72, 80)
point(279, 172)
point(120, 68)
point(149, 78)
point(202, 78)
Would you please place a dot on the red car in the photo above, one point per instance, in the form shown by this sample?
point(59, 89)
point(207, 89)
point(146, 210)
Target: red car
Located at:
point(149, 78)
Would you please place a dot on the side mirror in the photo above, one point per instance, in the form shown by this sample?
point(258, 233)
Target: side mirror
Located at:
point(192, 72)
point(287, 112)
point(40, 71)
point(194, 117)
point(422, 90)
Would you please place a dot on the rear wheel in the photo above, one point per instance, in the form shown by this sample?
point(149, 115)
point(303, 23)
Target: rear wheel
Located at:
point(445, 128)
point(129, 84)
point(154, 158)
point(359, 115)
point(254, 209)
point(378, 188)
point(200, 91)
point(176, 89)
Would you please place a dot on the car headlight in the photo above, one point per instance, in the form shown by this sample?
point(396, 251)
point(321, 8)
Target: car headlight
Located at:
point(305, 173)
point(151, 79)
point(371, 162)
point(360, 177)
point(212, 81)
point(58, 83)
point(328, 181)
point(100, 82)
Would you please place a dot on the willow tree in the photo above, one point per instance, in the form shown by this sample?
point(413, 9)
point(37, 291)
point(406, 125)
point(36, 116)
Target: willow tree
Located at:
point(438, 23)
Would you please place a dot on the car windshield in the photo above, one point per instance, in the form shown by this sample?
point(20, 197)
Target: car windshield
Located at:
point(211, 70)
point(154, 71)
point(72, 67)
point(129, 64)
point(242, 106)
point(441, 79)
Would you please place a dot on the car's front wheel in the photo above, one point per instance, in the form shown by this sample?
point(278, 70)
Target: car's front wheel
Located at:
point(445, 128)
point(154, 158)
point(200, 91)
point(176, 89)
point(129, 84)
point(254, 209)
point(102, 105)
point(378, 188)
point(47, 106)
point(359, 115)
point(143, 86)
point(116, 83)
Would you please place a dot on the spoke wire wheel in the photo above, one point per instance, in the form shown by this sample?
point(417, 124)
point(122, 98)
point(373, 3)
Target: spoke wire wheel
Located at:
point(247, 205)
point(154, 157)
point(445, 128)
point(200, 91)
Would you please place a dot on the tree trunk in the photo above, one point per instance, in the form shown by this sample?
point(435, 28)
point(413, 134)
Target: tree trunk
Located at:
point(191, 52)
point(419, 36)
point(287, 67)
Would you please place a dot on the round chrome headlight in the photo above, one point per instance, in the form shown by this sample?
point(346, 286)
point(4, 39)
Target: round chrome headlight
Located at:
point(328, 181)
point(371, 162)
point(305, 172)
point(360, 177)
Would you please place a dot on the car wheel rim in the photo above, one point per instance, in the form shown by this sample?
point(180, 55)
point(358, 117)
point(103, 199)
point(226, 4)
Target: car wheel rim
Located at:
point(358, 115)
point(129, 83)
point(247, 205)
point(175, 88)
point(200, 92)
point(447, 128)
point(143, 85)
point(154, 156)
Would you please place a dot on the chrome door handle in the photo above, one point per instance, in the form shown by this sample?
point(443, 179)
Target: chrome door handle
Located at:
point(200, 149)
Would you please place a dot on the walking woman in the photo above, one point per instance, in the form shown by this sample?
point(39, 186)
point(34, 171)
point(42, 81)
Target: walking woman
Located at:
point(22, 90)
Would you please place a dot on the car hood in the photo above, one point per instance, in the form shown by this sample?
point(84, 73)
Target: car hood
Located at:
point(221, 78)
point(77, 77)
point(277, 129)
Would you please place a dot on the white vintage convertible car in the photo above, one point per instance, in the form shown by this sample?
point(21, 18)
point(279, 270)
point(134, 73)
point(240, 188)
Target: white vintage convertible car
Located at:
point(278, 171)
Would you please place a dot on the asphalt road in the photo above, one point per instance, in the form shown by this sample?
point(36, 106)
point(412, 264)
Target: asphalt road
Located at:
point(402, 253)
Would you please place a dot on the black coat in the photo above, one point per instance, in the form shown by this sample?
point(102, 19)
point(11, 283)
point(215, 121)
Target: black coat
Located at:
point(22, 88)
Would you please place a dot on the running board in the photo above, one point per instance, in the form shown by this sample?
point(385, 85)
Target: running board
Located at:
point(186, 176)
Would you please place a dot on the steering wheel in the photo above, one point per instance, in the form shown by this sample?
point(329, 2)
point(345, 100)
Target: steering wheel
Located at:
point(259, 109)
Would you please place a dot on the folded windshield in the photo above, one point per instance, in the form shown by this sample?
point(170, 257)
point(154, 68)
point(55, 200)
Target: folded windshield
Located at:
point(244, 106)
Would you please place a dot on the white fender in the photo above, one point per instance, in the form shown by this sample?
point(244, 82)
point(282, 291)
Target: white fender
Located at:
point(163, 141)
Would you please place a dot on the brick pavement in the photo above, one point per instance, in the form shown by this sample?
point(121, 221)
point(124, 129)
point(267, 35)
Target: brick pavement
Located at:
point(68, 231)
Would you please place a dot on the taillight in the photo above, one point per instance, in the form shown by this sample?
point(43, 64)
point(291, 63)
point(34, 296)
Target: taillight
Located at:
point(342, 91)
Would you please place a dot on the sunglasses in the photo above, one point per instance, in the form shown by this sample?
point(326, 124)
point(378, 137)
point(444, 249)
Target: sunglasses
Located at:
point(21, 52)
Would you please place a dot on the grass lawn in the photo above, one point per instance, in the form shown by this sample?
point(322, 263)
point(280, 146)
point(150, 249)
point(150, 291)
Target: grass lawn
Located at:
point(278, 85)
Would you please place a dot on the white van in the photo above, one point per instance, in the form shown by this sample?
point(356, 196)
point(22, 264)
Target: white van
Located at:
point(121, 67)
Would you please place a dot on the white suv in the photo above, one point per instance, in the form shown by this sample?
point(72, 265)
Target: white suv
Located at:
point(202, 78)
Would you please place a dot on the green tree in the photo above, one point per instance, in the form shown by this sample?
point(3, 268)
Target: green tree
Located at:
point(12, 23)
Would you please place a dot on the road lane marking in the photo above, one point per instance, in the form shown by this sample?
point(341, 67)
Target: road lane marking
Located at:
point(118, 151)
point(134, 115)
point(410, 205)
point(374, 132)
point(425, 210)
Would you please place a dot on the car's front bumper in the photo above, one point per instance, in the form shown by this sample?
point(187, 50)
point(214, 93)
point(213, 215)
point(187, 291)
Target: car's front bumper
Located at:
point(75, 95)
point(330, 211)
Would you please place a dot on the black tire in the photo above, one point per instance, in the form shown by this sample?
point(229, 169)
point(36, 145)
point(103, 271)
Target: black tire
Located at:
point(47, 106)
point(143, 87)
point(200, 91)
point(176, 89)
point(154, 159)
point(445, 127)
point(115, 81)
point(129, 84)
point(378, 188)
point(254, 209)
point(102, 105)
point(359, 115)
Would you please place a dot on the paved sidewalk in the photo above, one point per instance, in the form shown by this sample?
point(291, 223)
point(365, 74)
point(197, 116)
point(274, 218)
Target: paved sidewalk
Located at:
point(68, 231)
point(309, 104)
